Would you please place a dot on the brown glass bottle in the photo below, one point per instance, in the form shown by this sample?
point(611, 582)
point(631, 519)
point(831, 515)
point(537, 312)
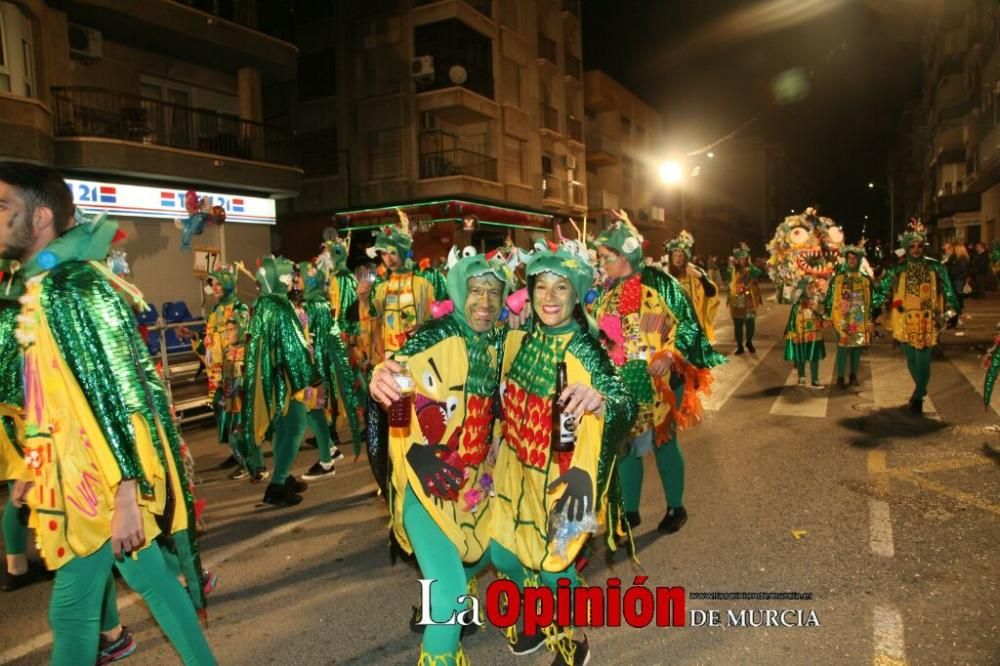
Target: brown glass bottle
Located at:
point(563, 423)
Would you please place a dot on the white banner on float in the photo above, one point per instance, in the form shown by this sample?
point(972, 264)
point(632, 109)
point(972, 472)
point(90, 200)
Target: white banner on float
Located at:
point(160, 202)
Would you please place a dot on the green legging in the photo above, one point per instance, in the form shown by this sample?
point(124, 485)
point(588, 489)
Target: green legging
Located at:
point(800, 367)
point(79, 592)
point(15, 525)
point(918, 361)
point(321, 429)
point(288, 433)
point(439, 560)
point(845, 354)
point(109, 606)
point(182, 563)
point(669, 462)
point(739, 325)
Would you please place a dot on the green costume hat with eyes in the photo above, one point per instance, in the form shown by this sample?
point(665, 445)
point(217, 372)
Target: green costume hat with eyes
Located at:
point(394, 239)
point(684, 242)
point(227, 280)
point(570, 266)
point(475, 266)
point(313, 282)
point(274, 276)
point(623, 238)
point(915, 232)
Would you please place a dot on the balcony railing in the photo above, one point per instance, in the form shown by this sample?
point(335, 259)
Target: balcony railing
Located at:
point(574, 128)
point(551, 187)
point(550, 117)
point(484, 7)
point(599, 142)
point(478, 79)
point(94, 112)
point(574, 67)
point(547, 49)
point(601, 199)
point(457, 162)
point(272, 18)
point(576, 194)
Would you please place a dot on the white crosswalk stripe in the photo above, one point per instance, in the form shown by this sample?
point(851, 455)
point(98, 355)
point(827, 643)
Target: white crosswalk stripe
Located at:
point(795, 400)
point(892, 384)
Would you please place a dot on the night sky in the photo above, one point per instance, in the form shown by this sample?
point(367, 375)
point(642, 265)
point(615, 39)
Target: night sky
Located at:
point(709, 66)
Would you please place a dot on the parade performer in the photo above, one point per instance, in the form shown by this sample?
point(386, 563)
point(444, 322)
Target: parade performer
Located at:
point(278, 370)
point(549, 500)
point(440, 487)
point(222, 345)
point(744, 297)
point(848, 306)
point(103, 455)
point(654, 338)
point(919, 299)
point(697, 286)
point(992, 364)
point(342, 294)
point(804, 332)
point(331, 360)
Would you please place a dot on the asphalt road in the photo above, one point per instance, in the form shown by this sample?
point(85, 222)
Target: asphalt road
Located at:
point(891, 522)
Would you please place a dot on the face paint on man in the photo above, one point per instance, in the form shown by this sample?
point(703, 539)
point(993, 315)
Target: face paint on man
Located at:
point(553, 300)
point(482, 302)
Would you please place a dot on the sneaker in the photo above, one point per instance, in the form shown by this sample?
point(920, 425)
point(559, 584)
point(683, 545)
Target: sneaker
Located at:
point(529, 644)
point(916, 406)
point(581, 656)
point(36, 572)
point(751, 348)
point(816, 385)
point(802, 381)
point(116, 650)
point(238, 474)
point(674, 520)
point(336, 454)
point(276, 495)
point(319, 470)
point(259, 474)
point(231, 461)
point(739, 350)
point(295, 485)
point(633, 519)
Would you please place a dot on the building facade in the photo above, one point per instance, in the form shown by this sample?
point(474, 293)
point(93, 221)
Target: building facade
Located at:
point(139, 103)
point(475, 104)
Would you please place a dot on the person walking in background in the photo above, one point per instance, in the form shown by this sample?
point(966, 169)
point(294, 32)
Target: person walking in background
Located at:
point(980, 271)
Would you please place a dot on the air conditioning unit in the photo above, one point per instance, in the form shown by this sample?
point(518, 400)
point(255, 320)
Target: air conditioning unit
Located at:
point(422, 67)
point(569, 161)
point(84, 43)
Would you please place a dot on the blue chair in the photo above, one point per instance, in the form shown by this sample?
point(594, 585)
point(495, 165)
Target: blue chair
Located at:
point(175, 312)
point(153, 343)
point(147, 317)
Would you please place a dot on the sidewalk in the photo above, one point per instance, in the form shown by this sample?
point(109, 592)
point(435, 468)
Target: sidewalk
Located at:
point(978, 324)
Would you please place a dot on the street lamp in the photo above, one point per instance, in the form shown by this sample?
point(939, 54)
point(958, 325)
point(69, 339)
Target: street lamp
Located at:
point(672, 173)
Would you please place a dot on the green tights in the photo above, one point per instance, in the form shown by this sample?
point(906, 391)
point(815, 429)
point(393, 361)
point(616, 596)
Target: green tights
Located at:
point(15, 526)
point(81, 588)
point(288, 433)
point(845, 355)
point(749, 325)
point(800, 367)
point(321, 429)
point(918, 361)
point(670, 464)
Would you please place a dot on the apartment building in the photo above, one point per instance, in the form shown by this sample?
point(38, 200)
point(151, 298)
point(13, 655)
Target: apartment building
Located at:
point(466, 114)
point(137, 103)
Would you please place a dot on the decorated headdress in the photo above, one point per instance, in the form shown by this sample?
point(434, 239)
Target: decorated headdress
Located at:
point(858, 250)
point(274, 275)
point(313, 281)
point(394, 238)
point(742, 251)
point(467, 264)
point(684, 242)
point(623, 238)
point(915, 231)
point(573, 267)
point(332, 258)
point(226, 277)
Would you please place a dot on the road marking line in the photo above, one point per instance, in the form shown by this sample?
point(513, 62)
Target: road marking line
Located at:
point(887, 625)
point(943, 465)
point(881, 528)
point(728, 377)
point(808, 401)
point(878, 480)
point(941, 489)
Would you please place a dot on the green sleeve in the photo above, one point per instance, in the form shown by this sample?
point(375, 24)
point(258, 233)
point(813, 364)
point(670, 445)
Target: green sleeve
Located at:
point(689, 339)
point(950, 299)
point(11, 384)
point(830, 290)
point(883, 292)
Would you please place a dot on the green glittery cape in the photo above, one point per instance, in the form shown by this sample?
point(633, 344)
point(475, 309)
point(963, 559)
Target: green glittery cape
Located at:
point(11, 382)
point(347, 309)
point(437, 280)
point(991, 373)
point(689, 339)
point(277, 365)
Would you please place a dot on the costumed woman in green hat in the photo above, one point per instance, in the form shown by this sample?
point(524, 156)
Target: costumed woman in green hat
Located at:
point(744, 297)
point(664, 358)
point(700, 290)
point(849, 307)
point(549, 500)
point(278, 370)
point(804, 332)
point(440, 489)
point(919, 299)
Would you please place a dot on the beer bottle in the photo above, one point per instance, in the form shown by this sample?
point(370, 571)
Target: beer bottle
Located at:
point(563, 423)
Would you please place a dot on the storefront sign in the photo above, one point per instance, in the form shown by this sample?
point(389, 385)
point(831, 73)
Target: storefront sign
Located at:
point(138, 201)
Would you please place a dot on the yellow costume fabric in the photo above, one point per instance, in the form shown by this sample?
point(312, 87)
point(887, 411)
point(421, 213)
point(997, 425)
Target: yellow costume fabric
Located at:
point(402, 303)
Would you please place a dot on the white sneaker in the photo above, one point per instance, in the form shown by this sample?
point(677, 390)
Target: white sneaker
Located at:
point(320, 471)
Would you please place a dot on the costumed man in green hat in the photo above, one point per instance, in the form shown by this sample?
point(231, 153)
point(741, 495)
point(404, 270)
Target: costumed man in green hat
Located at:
point(555, 480)
point(278, 370)
point(700, 290)
point(439, 492)
point(664, 358)
point(744, 297)
point(219, 343)
point(104, 458)
point(804, 332)
point(330, 357)
point(849, 307)
point(919, 299)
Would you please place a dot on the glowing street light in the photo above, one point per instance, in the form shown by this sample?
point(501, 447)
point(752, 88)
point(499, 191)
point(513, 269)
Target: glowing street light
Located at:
point(671, 172)
point(871, 186)
point(711, 155)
